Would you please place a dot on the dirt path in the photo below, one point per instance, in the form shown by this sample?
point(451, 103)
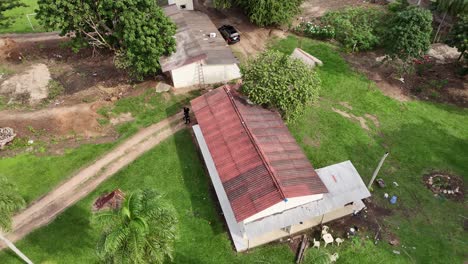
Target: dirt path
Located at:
point(47, 208)
point(27, 37)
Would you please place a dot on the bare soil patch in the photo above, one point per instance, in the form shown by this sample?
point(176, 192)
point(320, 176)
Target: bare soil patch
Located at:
point(362, 120)
point(32, 83)
point(434, 79)
point(254, 39)
point(446, 185)
point(60, 121)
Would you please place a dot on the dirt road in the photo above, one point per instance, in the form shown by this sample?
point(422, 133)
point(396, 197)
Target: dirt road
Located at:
point(47, 208)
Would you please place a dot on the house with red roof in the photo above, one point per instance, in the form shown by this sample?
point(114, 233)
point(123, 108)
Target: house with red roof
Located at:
point(266, 186)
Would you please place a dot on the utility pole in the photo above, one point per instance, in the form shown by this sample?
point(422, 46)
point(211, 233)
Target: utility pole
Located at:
point(377, 170)
point(15, 249)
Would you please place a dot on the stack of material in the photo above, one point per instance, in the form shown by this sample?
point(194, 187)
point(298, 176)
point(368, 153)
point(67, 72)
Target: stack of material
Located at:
point(306, 58)
point(7, 134)
point(112, 200)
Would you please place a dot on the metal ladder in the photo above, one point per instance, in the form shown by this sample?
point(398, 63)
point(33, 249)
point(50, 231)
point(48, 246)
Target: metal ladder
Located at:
point(201, 77)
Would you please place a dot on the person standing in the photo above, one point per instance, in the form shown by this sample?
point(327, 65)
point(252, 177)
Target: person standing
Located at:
point(187, 115)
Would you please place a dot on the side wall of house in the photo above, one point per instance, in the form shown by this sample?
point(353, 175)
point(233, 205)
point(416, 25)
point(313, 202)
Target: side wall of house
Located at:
point(188, 4)
point(188, 75)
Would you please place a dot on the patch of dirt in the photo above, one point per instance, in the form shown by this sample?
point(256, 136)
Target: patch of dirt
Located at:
point(362, 121)
point(74, 120)
point(317, 8)
point(446, 185)
point(433, 78)
point(122, 118)
point(33, 83)
point(373, 118)
point(254, 39)
point(75, 71)
point(311, 142)
point(347, 105)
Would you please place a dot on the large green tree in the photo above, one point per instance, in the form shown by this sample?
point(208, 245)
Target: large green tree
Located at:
point(10, 202)
point(278, 81)
point(6, 5)
point(265, 12)
point(409, 33)
point(143, 230)
point(136, 30)
point(458, 36)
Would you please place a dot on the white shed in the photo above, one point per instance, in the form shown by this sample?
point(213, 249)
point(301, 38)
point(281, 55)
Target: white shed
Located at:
point(202, 56)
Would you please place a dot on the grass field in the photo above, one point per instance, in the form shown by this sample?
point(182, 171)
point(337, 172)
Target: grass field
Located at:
point(21, 23)
point(420, 136)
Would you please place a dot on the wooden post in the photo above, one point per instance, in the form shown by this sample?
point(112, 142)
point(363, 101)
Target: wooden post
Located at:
point(377, 170)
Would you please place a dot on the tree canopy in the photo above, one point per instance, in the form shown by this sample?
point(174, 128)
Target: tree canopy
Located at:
point(276, 80)
point(143, 230)
point(458, 36)
point(10, 202)
point(265, 12)
point(409, 32)
point(136, 30)
point(8, 5)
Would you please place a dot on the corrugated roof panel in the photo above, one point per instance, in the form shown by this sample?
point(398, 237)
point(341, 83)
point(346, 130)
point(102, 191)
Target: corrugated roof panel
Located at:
point(259, 162)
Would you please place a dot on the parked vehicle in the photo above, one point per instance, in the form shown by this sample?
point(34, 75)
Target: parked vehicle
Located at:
point(230, 34)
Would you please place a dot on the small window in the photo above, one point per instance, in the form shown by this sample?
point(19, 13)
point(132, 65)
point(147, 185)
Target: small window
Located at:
point(183, 6)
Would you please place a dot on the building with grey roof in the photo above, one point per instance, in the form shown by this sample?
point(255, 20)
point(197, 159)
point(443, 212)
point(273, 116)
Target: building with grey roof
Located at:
point(202, 56)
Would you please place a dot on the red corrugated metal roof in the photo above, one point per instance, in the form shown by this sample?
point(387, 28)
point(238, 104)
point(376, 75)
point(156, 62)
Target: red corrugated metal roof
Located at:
point(257, 159)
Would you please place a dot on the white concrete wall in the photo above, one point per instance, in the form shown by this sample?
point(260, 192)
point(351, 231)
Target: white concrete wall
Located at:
point(188, 75)
point(283, 206)
point(188, 3)
point(315, 221)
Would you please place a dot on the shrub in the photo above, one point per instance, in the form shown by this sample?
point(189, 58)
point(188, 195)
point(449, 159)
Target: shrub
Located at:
point(55, 89)
point(356, 28)
point(409, 33)
point(316, 31)
point(275, 80)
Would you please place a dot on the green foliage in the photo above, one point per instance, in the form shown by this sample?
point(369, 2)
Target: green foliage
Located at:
point(356, 28)
point(276, 80)
point(137, 30)
point(452, 7)
point(10, 202)
point(458, 36)
point(6, 5)
point(397, 6)
point(315, 31)
point(55, 89)
point(270, 12)
point(265, 12)
point(409, 33)
point(143, 230)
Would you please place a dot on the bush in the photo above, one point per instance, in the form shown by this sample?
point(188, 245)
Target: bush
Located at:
point(316, 31)
point(357, 28)
point(275, 80)
point(409, 33)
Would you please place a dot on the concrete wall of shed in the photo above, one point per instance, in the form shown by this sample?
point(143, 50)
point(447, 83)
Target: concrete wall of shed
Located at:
point(188, 75)
point(188, 4)
point(280, 233)
point(283, 206)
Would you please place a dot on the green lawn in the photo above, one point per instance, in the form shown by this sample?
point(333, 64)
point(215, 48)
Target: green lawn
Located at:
point(21, 23)
point(420, 136)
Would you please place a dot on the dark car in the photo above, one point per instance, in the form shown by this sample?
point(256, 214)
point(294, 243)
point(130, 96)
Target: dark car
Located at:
point(230, 34)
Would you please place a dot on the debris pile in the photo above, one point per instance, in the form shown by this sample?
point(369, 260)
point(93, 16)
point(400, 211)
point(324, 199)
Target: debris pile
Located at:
point(7, 135)
point(444, 184)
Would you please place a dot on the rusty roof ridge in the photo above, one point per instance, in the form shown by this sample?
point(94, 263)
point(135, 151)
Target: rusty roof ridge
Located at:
point(257, 148)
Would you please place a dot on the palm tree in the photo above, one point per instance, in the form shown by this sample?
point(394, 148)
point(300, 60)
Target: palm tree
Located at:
point(452, 7)
point(10, 202)
point(143, 230)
